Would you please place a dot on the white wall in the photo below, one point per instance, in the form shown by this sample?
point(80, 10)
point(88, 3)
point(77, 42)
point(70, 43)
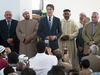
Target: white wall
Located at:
point(12, 5)
point(16, 7)
point(25, 4)
point(76, 7)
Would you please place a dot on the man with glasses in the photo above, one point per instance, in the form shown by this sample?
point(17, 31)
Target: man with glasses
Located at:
point(79, 40)
point(91, 33)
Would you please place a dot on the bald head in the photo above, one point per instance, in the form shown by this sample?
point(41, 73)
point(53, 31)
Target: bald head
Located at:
point(8, 15)
point(58, 54)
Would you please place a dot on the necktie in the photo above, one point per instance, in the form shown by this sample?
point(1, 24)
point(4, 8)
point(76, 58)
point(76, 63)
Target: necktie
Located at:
point(8, 28)
point(50, 22)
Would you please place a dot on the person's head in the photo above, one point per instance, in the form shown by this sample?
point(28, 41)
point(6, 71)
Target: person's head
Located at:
point(8, 15)
point(66, 14)
point(20, 66)
point(58, 54)
point(85, 20)
point(13, 58)
point(26, 14)
point(28, 71)
point(72, 71)
point(95, 17)
point(94, 49)
point(50, 9)
point(56, 70)
point(81, 16)
point(85, 63)
point(76, 73)
point(40, 47)
point(2, 51)
point(8, 70)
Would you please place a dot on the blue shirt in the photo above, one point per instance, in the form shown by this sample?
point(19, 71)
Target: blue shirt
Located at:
point(93, 27)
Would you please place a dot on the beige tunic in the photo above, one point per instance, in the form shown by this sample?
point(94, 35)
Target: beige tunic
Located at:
point(69, 28)
point(23, 29)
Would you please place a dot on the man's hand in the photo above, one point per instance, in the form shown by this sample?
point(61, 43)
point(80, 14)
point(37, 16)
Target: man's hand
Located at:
point(48, 38)
point(9, 40)
point(91, 43)
point(80, 48)
point(27, 38)
point(49, 50)
point(65, 38)
point(52, 38)
point(26, 42)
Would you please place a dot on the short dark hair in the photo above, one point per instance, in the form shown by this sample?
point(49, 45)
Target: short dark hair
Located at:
point(40, 47)
point(13, 58)
point(58, 54)
point(66, 10)
point(73, 71)
point(85, 63)
point(8, 70)
point(28, 71)
point(2, 52)
point(50, 5)
point(56, 70)
point(76, 73)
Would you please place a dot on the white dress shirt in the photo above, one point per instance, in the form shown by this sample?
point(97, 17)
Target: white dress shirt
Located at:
point(42, 63)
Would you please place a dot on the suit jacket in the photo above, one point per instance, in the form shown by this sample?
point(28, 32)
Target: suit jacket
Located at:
point(44, 31)
point(4, 32)
point(79, 40)
point(94, 62)
point(87, 36)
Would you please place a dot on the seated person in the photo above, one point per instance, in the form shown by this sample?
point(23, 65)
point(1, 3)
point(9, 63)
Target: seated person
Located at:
point(72, 71)
point(3, 63)
point(8, 69)
point(28, 71)
point(67, 65)
point(42, 62)
point(85, 67)
point(57, 70)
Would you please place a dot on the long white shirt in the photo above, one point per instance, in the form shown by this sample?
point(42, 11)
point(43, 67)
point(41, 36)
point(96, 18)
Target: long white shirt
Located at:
point(42, 63)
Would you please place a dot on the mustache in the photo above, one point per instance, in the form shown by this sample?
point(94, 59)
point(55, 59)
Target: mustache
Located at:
point(8, 17)
point(27, 18)
point(66, 16)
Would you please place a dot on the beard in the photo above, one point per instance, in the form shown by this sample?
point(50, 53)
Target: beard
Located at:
point(27, 18)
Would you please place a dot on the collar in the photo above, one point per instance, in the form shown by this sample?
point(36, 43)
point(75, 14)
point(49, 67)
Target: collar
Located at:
point(95, 24)
point(48, 17)
point(7, 20)
point(66, 20)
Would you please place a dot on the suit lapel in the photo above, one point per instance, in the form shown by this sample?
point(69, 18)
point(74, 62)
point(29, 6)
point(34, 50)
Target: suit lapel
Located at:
point(5, 25)
point(11, 26)
point(96, 28)
point(53, 23)
point(47, 22)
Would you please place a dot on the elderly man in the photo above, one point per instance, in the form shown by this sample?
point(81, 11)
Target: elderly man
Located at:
point(27, 33)
point(69, 33)
point(8, 32)
point(93, 58)
point(80, 41)
point(91, 33)
point(67, 65)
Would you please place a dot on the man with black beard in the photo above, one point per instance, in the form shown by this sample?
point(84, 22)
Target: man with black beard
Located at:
point(27, 33)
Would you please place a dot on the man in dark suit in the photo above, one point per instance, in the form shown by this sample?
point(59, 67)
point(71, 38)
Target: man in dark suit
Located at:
point(50, 28)
point(7, 32)
point(80, 41)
